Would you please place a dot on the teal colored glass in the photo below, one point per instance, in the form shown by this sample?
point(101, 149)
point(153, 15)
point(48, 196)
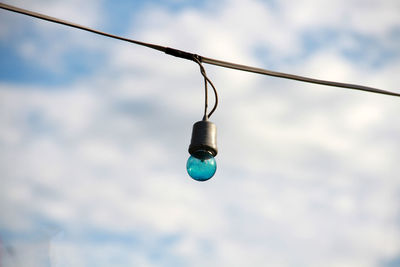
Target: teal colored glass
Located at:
point(201, 166)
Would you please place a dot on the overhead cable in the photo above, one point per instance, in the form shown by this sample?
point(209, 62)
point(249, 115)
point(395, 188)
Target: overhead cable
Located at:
point(197, 58)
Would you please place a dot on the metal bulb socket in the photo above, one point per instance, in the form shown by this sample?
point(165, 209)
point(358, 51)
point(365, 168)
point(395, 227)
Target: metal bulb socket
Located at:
point(204, 138)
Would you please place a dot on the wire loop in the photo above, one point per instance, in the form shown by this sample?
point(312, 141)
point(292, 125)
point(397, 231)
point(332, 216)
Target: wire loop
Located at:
point(197, 59)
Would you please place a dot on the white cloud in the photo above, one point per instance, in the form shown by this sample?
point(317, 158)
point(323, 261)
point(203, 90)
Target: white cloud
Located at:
point(303, 170)
point(85, 13)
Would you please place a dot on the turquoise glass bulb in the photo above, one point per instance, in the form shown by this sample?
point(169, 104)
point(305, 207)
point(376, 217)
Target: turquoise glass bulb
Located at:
point(201, 165)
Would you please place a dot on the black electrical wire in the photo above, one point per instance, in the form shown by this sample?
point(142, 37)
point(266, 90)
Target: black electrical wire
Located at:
point(190, 56)
point(207, 80)
point(74, 25)
point(295, 77)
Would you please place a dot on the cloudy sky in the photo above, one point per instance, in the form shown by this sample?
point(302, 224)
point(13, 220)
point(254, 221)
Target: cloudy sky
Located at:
point(94, 135)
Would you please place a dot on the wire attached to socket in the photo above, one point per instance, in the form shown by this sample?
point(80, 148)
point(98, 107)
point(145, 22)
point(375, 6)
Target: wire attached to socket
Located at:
point(207, 81)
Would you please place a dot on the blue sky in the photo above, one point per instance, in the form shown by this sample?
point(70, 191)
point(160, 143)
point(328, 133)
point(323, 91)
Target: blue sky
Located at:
point(94, 135)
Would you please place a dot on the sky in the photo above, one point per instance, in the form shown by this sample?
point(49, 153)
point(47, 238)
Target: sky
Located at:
point(94, 135)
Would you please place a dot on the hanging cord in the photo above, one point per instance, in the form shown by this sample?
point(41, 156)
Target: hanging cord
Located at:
point(197, 59)
point(190, 56)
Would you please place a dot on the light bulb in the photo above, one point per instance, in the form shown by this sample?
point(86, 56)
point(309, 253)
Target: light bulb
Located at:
point(201, 165)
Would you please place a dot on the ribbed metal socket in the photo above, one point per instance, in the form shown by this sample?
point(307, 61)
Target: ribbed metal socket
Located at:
point(204, 137)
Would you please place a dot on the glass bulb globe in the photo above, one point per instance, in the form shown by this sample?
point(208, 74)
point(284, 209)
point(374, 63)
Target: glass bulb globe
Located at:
point(201, 166)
